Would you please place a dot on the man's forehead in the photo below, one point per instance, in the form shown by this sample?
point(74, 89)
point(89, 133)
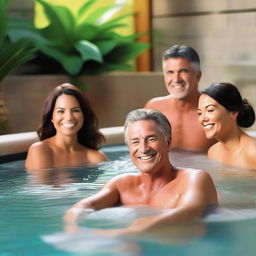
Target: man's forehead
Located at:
point(177, 61)
point(143, 126)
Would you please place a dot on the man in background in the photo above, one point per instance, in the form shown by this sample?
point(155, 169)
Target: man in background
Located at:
point(182, 73)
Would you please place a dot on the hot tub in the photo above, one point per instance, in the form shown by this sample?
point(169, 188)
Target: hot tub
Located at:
point(32, 207)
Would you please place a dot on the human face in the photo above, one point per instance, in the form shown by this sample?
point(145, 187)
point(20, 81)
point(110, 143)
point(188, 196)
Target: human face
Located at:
point(216, 119)
point(147, 146)
point(180, 77)
point(67, 116)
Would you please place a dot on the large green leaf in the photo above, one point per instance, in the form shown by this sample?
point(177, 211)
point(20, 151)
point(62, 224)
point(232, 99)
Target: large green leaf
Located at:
point(114, 21)
point(88, 51)
point(86, 32)
point(112, 26)
point(71, 63)
point(126, 52)
point(106, 46)
point(16, 34)
point(102, 14)
point(62, 22)
point(81, 14)
point(12, 55)
point(3, 20)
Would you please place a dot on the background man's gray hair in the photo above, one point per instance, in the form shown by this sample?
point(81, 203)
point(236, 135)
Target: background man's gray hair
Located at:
point(148, 114)
point(182, 51)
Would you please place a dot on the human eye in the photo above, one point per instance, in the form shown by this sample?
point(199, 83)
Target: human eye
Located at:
point(209, 110)
point(184, 70)
point(134, 142)
point(199, 113)
point(169, 72)
point(60, 111)
point(77, 110)
point(151, 139)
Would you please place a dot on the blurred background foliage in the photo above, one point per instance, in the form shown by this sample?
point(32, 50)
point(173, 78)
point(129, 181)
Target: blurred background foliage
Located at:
point(87, 37)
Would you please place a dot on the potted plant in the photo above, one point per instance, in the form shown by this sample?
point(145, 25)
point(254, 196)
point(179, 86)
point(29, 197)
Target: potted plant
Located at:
point(12, 55)
point(82, 42)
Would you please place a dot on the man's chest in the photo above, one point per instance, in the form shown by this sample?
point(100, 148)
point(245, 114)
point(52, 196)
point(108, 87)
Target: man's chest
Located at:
point(167, 197)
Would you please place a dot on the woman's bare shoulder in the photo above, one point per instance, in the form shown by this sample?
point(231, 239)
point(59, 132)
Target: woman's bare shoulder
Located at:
point(40, 146)
point(214, 151)
point(39, 156)
point(96, 156)
point(251, 151)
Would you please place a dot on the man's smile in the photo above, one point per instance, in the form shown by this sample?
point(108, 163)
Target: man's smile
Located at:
point(147, 157)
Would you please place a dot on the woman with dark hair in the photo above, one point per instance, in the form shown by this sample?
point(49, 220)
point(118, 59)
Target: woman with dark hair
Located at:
point(223, 113)
point(68, 132)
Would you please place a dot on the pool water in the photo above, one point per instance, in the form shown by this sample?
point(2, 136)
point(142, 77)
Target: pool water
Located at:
point(32, 207)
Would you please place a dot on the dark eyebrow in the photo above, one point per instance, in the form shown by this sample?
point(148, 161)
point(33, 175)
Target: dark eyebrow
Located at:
point(151, 135)
point(184, 69)
point(71, 108)
point(210, 105)
point(180, 70)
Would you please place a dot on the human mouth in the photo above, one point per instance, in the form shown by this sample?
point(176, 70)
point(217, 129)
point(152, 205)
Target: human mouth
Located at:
point(68, 125)
point(208, 126)
point(146, 157)
point(178, 86)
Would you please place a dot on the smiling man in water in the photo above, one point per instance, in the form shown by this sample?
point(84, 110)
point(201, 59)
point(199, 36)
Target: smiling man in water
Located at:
point(185, 194)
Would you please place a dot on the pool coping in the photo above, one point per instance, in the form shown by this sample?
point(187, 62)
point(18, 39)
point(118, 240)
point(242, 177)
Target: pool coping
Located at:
point(15, 146)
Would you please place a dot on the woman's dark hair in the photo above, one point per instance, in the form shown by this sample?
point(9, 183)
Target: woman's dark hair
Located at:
point(229, 97)
point(89, 134)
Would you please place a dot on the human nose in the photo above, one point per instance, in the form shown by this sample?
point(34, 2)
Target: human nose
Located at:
point(203, 117)
point(143, 146)
point(176, 77)
point(69, 115)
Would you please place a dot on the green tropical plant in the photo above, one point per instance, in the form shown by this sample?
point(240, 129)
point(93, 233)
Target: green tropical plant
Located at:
point(12, 55)
point(85, 42)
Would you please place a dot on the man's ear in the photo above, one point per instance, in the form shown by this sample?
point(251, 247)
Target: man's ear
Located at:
point(199, 74)
point(169, 142)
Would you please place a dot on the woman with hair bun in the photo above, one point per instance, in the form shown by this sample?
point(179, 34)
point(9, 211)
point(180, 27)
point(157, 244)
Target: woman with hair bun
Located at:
point(223, 113)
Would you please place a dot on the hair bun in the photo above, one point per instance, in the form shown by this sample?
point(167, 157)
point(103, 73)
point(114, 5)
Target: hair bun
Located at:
point(246, 115)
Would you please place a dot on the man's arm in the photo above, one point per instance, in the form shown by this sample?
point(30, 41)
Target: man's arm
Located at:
point(108, 196)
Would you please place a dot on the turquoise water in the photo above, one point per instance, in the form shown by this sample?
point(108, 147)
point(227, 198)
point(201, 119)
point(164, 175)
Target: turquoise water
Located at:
point(32, 207)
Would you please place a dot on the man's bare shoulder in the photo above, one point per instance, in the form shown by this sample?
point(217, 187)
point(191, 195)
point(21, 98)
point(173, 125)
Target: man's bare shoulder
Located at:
point(126, 177)
point(191, 174)
point(158, 101)
point(124, 180)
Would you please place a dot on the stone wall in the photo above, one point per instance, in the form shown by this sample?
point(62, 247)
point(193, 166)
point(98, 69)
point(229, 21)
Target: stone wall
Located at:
point(112, 96)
